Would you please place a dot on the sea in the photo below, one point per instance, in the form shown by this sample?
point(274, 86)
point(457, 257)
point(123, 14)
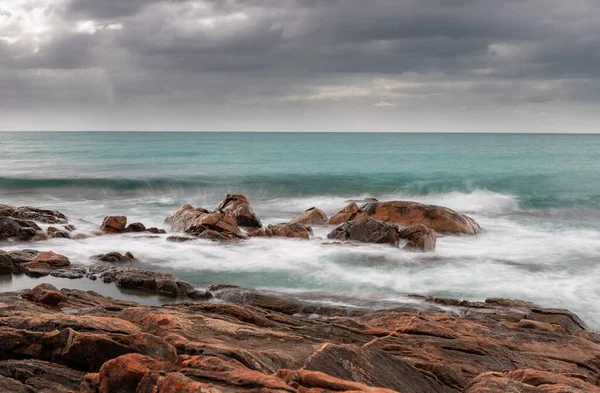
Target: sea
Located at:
point(536, 196)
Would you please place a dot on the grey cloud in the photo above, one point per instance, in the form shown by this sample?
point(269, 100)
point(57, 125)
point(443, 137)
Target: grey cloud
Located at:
point(279, 53)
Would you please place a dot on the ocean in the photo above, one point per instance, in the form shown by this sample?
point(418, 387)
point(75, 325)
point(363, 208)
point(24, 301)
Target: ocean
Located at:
point(537, 197)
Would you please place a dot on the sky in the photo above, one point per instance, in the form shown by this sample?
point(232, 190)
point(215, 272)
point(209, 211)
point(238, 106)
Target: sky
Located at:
point(300, 65)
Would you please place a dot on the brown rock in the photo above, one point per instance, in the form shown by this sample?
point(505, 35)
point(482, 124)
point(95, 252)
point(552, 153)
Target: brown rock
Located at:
point(179, 239)
point(238, 207)
point(159, 283)
point(405, 213)
point(48, 260)
point(123, 374)
point(210, 234)
point(420, 238)
point(115, 257)
point(346, 214)
point(7, 265)
point(39, 215)
point(185, 217)
point(366, 230)
point(56, 233)
point(312, 216)
point(40, 376)
point(45, 294)
point(12, 228)
point(135, 227)
point(283, 230)
point(114, 224)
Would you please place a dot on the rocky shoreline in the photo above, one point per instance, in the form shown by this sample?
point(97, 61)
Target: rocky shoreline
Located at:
point(226, 338)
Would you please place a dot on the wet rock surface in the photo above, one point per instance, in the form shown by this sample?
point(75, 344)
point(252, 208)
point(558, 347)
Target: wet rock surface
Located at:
point(366, 230)
point(312, 216)
point(407, 213)
point(195, 221)
point(115, 257)
point(143, 280)
point(237, 207)
point(255, 341)
point(295, 230)
point(420, 238)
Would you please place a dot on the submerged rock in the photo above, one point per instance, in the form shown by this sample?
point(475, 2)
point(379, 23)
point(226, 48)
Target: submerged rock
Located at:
point(312, 216)
point(294, 230)
point(144, 280)
point(115, 257)
point(238, 207)
point(366, 230)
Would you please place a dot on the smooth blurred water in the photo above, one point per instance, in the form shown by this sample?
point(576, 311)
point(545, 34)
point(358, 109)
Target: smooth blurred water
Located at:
point(537, 197)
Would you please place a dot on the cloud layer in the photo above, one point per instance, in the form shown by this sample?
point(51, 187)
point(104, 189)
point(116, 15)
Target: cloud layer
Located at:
point(312, 65)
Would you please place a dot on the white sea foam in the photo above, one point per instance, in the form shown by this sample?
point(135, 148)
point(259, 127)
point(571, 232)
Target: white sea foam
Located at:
point(552, 265)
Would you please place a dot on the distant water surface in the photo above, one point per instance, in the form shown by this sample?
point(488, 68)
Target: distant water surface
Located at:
point(537, 197)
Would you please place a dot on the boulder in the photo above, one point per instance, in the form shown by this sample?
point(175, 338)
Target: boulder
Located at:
point(135, 227)
point(283, 230)
point(438, 218)
point(7, 265)
point(366, 230)
point(45, 294)
point(213, 235)
point(346, 214)
point(420, 238)
point(16, 229)
point(48, 260)
point(238, 207)
point(185, 217)
point(114, 224)
point(312, 216)
point(115, 257)
point(197, 220)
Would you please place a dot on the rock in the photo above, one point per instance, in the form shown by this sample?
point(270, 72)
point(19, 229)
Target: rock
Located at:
point(7, 265)
point(366, 230)
point(114, 224)
point(197, 220)
point(179, 239)
point(15, 229)
point(10, 385)
point(135, 227)
point(185, 217)
point(56, 233)
point(48, 260)
point(283, 230)
point(45, 294)
point(159, 283)
point(420, 238)
point(312, 216)
point(23, 256)
point(406, 213)
point(198, 294)
point(123, 374)
point(156, 230)
point(39, 215)
point(210, 234)
point(115, 257)
point(41, 376)
point(346, 214)
point(238, 207)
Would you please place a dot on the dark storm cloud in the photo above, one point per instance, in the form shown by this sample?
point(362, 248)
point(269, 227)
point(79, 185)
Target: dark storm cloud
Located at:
point(255, 51)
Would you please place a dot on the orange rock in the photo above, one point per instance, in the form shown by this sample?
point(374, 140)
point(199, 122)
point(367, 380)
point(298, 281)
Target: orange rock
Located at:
point(346, 214)
point(420, 238)
point(114, 224)
point(283, 230)
point(123, 374)
point(238, 207)
point(312, 216)
point(48, 260)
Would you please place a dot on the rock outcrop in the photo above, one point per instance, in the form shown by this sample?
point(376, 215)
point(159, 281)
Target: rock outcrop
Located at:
point(237, 207)
point(115, 257)
point(17, 229)
point(33, 214)
point(81, 341)
point(366, 230)
point(295, 230)
point(406, 213)
point(312, 216)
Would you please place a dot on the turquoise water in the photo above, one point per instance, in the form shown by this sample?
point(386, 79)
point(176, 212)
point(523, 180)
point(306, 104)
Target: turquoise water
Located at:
point(537, 197)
